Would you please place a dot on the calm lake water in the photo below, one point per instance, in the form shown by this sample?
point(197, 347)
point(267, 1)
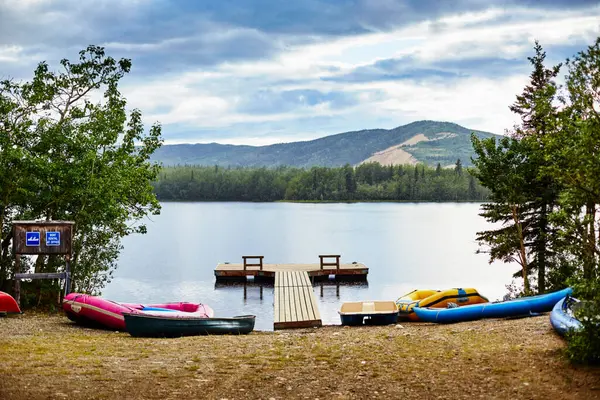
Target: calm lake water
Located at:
point(405, 245)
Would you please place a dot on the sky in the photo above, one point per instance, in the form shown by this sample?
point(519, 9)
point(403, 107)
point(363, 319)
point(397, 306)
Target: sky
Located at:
point(270, 71)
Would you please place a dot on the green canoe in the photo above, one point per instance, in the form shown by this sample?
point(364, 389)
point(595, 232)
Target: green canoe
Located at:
point(141, 325)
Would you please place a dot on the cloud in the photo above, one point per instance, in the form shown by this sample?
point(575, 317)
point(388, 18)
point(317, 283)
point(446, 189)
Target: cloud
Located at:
point(348, 17)
point(255, 71)
point(411, 68)
point(269, 101)
point(160, 36)
point(176, 55)
point(395, 104)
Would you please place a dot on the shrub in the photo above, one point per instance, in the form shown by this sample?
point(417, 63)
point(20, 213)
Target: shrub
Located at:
point(584, 344)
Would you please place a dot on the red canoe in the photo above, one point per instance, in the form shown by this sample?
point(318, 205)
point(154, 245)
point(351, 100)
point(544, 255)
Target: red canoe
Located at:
point(83, 308)
point(8, 304)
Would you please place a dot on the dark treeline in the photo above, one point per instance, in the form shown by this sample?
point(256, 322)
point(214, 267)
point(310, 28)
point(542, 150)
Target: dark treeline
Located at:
point(366, 182)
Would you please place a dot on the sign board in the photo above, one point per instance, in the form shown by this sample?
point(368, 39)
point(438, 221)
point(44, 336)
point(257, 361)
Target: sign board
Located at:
point(27, 239)
point(32, 239)
point(52, 238)
point(42, 237)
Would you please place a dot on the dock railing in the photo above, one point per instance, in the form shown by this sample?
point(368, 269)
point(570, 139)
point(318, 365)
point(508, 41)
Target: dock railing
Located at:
point(335, 264)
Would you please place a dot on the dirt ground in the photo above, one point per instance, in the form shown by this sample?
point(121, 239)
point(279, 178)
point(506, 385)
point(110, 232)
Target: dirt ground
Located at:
point(48, 357)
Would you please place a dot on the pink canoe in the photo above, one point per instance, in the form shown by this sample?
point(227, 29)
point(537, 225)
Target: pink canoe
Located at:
point(83, 308)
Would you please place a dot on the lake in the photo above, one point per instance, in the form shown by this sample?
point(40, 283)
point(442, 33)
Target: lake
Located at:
point(405, 245)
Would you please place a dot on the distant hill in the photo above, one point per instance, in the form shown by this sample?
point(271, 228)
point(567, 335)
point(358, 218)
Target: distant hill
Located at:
point(430, 142)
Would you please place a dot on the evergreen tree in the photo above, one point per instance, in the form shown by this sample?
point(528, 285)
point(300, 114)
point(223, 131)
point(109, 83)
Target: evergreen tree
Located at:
point(350, 180)
point(458, 168)
point(524, 210)
point(472, 188)
point(500, 168)
point(538, 112)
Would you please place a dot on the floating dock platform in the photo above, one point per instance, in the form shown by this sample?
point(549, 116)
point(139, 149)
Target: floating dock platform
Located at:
point(294, 301)
point(253, 266)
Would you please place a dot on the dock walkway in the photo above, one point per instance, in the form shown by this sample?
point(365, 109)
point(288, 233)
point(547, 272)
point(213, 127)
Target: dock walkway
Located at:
point(295, 303)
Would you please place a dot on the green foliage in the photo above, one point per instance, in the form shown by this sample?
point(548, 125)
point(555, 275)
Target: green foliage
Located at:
point(501, 168)
point(546, 177)
point(584, 344)
point(575, 162)
point(64, 157)
point(369, 181)
point(451, 142)
point(575, 159)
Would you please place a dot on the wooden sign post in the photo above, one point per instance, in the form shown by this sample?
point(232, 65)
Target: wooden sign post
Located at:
point(42, 238)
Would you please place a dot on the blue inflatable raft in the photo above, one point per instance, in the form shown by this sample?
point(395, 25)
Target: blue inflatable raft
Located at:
point(523, 306)
point(562, 318)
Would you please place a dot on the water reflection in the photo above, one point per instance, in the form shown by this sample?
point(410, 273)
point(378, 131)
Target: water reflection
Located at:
point(254, 290)
point(250, 289)
point(332, 288)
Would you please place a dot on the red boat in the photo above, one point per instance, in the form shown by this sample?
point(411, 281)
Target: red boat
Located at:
point(86, 309)
point(8, 304)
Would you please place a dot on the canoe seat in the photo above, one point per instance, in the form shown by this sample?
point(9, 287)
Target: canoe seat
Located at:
point(368, 307)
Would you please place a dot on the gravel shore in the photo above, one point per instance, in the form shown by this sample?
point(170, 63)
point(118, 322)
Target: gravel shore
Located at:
point(49, 357)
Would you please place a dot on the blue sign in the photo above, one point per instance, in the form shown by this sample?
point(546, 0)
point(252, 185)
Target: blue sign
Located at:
point(52, 238)
point(32, 238)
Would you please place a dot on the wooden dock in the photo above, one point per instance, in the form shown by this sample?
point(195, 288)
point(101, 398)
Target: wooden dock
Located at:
point(254, 266)
point(295, 303)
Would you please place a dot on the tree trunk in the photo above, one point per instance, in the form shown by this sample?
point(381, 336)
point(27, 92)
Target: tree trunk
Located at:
point(541, 250)
point(590, 243)
point(522, 254)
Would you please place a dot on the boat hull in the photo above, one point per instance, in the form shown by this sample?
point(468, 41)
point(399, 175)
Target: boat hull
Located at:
point(144, 325)
point(437, 299)
point(8, 304)
point(513, 308)
point(561, 317)
point(368, 313)
point(369, 319)
point(407, 302)
point(101, 313)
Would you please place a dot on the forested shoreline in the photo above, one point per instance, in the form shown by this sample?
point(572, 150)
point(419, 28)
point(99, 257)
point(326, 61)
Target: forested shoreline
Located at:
point(366, 182)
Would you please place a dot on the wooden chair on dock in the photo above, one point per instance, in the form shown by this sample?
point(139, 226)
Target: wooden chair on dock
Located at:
point(258, 264)
point(335, 264)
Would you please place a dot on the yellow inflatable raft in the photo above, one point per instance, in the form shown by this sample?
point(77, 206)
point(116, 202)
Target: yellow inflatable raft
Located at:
point(437, 299)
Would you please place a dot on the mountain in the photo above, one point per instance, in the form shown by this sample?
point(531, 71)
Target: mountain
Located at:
point(429, 142)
